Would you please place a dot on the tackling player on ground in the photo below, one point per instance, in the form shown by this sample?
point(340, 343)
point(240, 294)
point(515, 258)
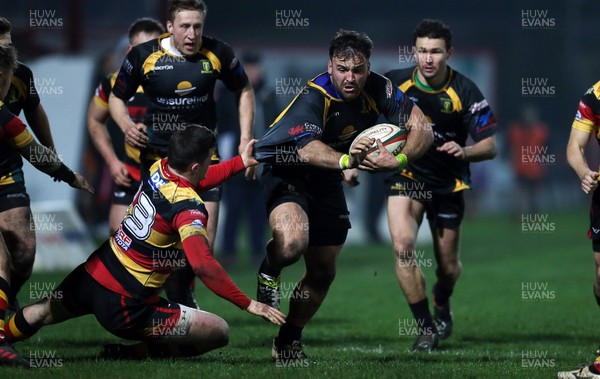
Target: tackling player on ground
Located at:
point(120, 281)
point(306, 151)
point(433, 185)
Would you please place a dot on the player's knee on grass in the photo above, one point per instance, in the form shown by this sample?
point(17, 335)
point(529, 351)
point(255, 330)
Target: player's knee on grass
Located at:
point(208, 331)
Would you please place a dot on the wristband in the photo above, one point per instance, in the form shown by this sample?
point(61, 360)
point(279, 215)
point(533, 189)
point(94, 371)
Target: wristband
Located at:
point(63, 174)
point(402, 159)
point(344, 160)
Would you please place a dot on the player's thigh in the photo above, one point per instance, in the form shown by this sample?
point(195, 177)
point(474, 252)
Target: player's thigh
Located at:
point(17, 226)
point(404, 218)
point(176, 323)
point(206, 326)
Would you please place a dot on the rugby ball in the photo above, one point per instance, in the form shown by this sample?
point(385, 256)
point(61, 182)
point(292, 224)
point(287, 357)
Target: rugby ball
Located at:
point(393, 138)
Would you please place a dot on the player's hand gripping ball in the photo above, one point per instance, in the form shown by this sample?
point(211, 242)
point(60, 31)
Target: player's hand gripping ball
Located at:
point(393, 138)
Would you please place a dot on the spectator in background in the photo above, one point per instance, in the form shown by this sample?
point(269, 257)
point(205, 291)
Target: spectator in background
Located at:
point(528, 138)
point(244, 198)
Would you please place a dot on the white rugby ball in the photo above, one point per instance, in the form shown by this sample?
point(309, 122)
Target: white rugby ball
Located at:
point(392, 136)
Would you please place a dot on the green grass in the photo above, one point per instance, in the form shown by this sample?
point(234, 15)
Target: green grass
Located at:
point(356, 333)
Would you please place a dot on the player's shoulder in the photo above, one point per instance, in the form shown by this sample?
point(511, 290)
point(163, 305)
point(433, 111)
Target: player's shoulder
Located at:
point(6, 116)
point(216, 45)
point(593, 92)
point(400, 75)
point(22, 71)
point(378, 85)
point(461, 82)
point(320, 87)
point(145, 49)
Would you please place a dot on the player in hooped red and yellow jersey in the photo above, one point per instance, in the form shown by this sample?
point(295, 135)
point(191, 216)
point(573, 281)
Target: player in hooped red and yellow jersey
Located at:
point(121, 280)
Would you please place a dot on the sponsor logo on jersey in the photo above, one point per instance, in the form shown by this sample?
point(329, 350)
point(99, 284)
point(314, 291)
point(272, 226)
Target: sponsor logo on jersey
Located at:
point(388, 89)
point(119, 194)
point(306, 128)
point(194, 100)
point(578, 116)
point(347, 133)
point(165, 67)
point(184, 88)
point(197, 224)
point(122, 239)
point(127, 66)
point(476, 107)
point(156, 181)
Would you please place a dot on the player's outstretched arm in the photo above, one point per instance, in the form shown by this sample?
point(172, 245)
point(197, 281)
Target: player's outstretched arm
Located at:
point(212, 274)
point(266, 312)
point(576, 158)
point(48, 162)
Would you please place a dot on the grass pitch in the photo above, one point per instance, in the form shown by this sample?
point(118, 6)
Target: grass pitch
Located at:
point(523, 308)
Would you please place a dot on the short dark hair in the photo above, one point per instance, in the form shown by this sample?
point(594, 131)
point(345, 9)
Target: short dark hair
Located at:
point(185, 5)
point(348, 43)
point(433, 29)
point(8, 57)
point(145, 25)
point(190, 145)
point(5, 26)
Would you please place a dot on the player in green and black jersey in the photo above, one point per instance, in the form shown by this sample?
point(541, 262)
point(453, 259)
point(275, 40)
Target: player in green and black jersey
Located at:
point(433, 185)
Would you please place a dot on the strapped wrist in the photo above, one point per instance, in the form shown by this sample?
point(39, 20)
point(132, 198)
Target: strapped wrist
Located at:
point(63, 173)
point(344, 162)
point(402, 160)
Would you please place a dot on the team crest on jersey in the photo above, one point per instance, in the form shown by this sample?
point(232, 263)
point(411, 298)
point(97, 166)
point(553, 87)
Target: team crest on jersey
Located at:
point(206, 68)
point(365, 107)
point(447, 106)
